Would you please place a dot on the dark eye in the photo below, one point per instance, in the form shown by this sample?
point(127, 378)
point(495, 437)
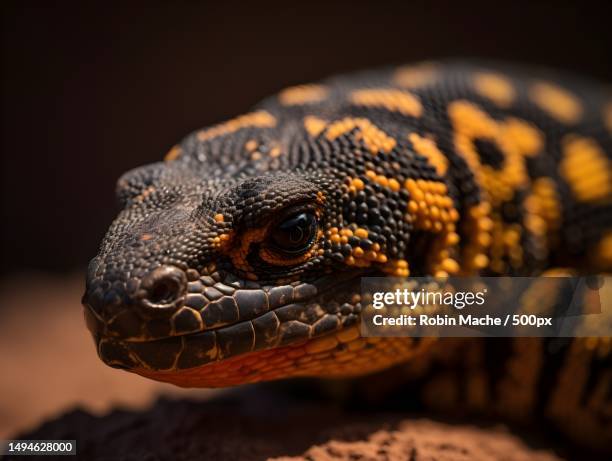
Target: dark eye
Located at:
point(296, 233)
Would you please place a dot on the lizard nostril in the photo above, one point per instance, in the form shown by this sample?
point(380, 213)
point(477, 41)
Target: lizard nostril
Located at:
point(164, 291)
point(164, 286)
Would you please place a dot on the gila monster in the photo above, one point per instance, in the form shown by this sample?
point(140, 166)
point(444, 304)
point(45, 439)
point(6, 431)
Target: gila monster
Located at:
point(238, 258)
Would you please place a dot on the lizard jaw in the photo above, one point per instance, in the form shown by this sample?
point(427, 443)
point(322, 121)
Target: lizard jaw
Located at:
point(340, 354)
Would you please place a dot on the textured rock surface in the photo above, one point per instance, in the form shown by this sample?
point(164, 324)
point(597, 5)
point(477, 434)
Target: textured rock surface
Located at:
point(256, 425)
point(426, 440)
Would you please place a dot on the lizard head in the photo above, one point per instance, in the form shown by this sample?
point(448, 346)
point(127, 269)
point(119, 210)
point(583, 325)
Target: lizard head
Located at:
point(216, 274)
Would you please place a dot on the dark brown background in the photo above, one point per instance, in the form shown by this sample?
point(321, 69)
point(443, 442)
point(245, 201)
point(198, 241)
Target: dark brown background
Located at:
point(91, 91)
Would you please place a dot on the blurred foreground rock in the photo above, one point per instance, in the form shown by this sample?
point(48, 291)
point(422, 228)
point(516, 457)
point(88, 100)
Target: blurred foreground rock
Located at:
point(255, 425)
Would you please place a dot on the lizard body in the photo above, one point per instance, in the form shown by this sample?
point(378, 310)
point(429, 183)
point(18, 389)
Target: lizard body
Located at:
point(238, 258)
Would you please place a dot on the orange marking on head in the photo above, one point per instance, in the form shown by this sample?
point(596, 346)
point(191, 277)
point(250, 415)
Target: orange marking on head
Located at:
point(382, 180)
point(472, 123)
point(428, 149)
point(361, 233)
point(358, 257)
point(526, 136)
point(314, 125)
point(251, 145)
point(477, 228)
point(355, 185)
point(173, 154)
point(392, 100)
point(432, 210)
point(602, 253)
point(223, 242)
point(416, 75)
point(495, 87)
point(586, 168)
point(556, 101)
point(144, 194)
point(302, 94)
point(239, 252)
point(397, 268)
point(259, 119)
point(543, 208)
point(373, 137)
point(219, 217)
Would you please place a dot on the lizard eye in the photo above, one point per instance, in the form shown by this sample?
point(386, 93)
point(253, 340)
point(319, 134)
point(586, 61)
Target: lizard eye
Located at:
point(295, 234)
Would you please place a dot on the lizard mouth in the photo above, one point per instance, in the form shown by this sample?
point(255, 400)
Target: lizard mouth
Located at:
point(236, 324)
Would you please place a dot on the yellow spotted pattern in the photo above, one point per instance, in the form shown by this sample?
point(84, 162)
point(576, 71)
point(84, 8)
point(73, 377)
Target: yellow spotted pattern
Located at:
point(416, 76)
point(586, 168)
point(428, 149)
point(314, 125)
point(472, 123)
point(302, 94)
point(477, 227)
point(251, 145)
point(392, 100)
point(431, 209)
point(358, 257)
point(543, 208)
point(355, 185)
point(259, 119)
point(384, 181)
point(528, 139)
point(373, 137)
point(495, 87)
point(173, 154)
point(397, 268)
point(558, 102)
point(223, 241)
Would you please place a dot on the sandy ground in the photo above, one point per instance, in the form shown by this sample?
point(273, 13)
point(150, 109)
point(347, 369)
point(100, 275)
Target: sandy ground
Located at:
point(53, 386)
